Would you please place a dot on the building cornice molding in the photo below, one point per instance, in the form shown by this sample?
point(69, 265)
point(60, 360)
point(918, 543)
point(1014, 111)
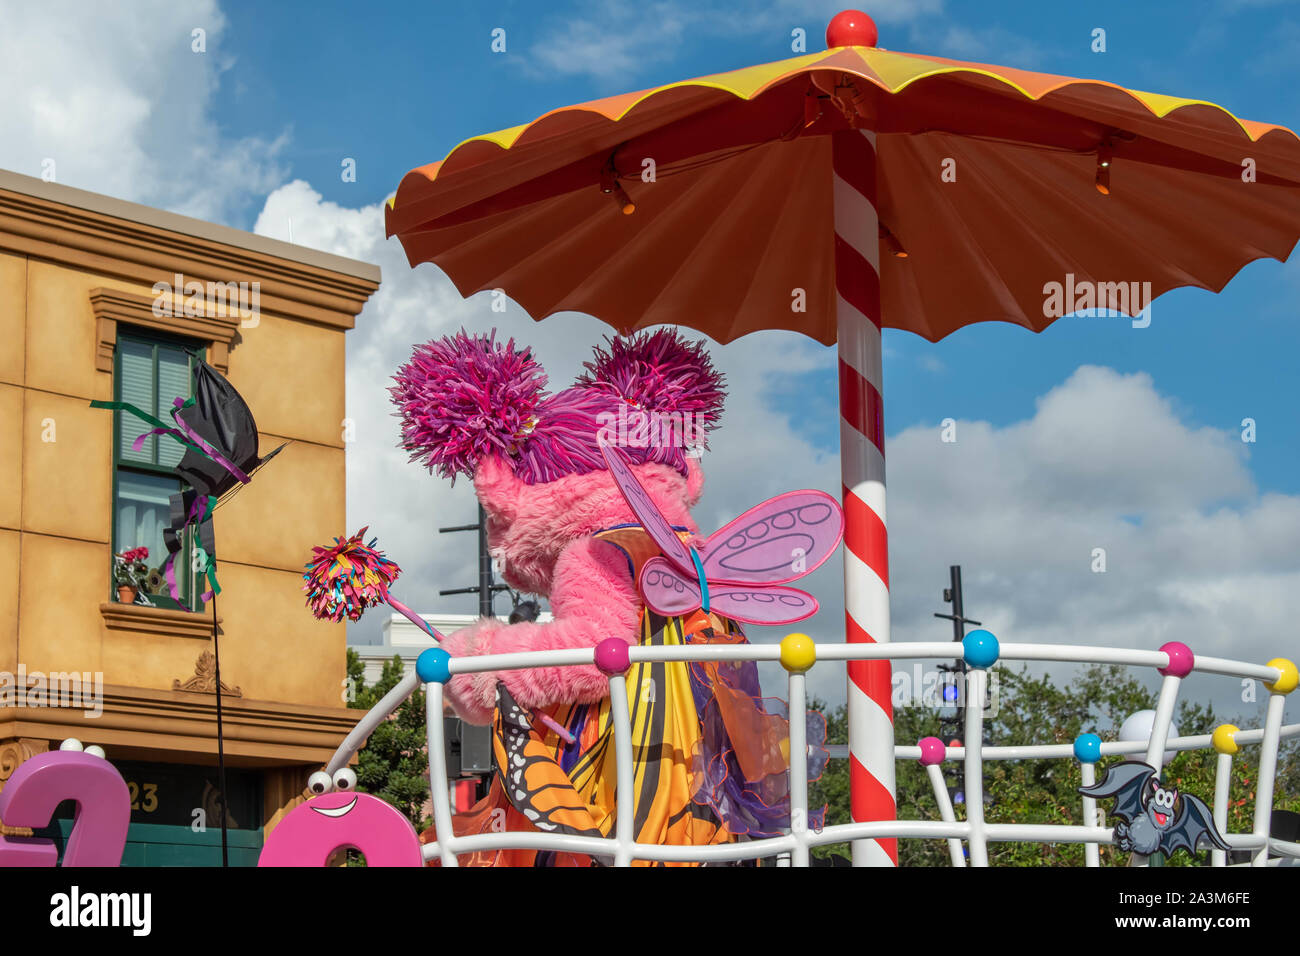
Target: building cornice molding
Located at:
point(142, 245)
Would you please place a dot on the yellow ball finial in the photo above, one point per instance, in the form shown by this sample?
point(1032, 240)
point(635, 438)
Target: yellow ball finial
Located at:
point(798, 653)
point(1290, 676)
point(1224, 739)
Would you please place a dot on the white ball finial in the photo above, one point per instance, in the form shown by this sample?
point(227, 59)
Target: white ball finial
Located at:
point(1137, 729)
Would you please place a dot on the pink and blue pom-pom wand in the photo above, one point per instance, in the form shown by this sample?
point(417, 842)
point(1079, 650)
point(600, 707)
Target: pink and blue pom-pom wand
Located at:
point(351, 576)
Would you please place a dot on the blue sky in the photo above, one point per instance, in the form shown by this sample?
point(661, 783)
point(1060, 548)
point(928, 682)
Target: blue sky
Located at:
point(1092, 434)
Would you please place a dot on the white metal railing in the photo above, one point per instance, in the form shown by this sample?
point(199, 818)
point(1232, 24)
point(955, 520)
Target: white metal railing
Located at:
point(798, 653)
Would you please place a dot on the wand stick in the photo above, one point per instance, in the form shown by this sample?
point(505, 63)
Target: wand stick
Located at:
point(414, 618)
point(346, 579)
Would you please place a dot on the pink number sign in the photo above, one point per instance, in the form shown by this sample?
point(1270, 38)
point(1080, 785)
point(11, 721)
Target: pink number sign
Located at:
point(311, 832)
point(36, 789)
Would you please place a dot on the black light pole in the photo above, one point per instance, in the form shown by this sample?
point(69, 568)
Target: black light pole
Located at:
point(949, 727)
point(485, 586)
point(952, 595)
point(486, 589)
point(461, 737)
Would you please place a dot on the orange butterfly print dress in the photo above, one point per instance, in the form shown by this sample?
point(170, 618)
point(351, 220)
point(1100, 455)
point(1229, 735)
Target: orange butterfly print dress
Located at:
point(709, 761)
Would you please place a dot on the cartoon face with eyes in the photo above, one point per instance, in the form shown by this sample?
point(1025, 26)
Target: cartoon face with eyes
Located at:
point(1161, 805)
point(337, 817)
point(343, 783)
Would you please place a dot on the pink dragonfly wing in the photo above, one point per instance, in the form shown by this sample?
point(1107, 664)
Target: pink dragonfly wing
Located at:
point(666, 590)
point(780, 540)
point(671, 594)
point(646, 511)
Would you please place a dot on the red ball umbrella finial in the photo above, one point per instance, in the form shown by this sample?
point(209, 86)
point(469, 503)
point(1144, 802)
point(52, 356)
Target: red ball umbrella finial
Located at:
point(851, 28)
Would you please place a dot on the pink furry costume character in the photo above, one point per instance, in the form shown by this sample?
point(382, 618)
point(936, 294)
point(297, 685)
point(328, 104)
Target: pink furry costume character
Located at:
point(710, 765)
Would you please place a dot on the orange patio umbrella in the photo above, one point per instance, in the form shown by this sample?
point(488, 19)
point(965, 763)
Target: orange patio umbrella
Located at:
point(845, 191)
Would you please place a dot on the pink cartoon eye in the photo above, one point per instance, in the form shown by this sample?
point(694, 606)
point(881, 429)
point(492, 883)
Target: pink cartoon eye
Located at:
point(345, 779)
point(320, 782)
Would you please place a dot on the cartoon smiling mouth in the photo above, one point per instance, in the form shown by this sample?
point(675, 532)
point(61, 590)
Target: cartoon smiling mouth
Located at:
point(1160, 817)
point(336, 811)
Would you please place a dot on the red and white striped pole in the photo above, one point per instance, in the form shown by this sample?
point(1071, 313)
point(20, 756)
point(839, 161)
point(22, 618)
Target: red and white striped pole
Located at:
point(862, 465)
point(862, 470)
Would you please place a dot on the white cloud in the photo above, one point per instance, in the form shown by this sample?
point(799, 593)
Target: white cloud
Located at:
point(612, 41)
point(988, 45)
point(1193, 552)
point(114, 95)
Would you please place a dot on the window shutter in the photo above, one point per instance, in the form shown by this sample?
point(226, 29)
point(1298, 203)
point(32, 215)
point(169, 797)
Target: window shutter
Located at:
point(136, 384)
point(173, 382)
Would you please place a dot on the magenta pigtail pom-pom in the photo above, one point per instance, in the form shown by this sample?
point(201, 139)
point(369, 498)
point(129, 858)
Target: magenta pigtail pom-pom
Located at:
point(661, 372)
point(348, 577)
point(465, 397)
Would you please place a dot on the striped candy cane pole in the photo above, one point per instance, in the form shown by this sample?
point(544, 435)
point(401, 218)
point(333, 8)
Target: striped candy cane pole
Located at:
point(862, 468)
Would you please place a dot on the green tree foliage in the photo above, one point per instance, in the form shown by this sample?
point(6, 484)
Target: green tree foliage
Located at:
point(394, 763)
point(1033, 710)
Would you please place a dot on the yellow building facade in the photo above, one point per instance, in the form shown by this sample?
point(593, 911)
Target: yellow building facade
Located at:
point(93, 290)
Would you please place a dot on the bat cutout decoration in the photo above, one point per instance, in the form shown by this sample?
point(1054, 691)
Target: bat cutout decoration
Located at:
point(1154, 817)
point(739, 569)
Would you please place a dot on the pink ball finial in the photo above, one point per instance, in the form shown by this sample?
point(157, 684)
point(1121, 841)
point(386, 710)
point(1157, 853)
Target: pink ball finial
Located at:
point(932, 751)
point(612, 656)
point(851, 28)
point(1181, 660)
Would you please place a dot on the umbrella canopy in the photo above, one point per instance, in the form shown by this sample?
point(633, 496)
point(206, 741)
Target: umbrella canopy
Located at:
point(990, 186)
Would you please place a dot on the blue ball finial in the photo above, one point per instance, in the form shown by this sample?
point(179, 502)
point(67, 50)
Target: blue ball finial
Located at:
point(980, 648)
point(1087, 748)
point(432, 666)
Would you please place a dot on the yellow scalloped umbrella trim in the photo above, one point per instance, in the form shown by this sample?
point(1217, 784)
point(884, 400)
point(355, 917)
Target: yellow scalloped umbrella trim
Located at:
point(892, 72)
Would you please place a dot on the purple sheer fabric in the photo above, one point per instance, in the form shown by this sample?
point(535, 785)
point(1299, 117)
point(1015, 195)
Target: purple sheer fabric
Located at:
point(748, 807)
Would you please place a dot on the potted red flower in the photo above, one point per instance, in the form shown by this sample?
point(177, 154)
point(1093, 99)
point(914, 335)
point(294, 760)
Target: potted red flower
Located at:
point(130, 573)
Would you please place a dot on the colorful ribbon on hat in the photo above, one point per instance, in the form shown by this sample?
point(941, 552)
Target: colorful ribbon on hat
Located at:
point(186, 436)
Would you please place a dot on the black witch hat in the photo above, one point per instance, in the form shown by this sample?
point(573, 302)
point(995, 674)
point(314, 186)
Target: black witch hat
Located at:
point(220, 456)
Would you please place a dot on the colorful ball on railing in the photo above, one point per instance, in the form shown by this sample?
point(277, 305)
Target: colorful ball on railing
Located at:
point(1181, 660)
point(980, 649)
point(1087, 748)
point(433, 666)
point(1138, 727)
point(932, 751)
point(1224, 738)
point(612, 656)
point(1289, 678)
point(798, 653)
